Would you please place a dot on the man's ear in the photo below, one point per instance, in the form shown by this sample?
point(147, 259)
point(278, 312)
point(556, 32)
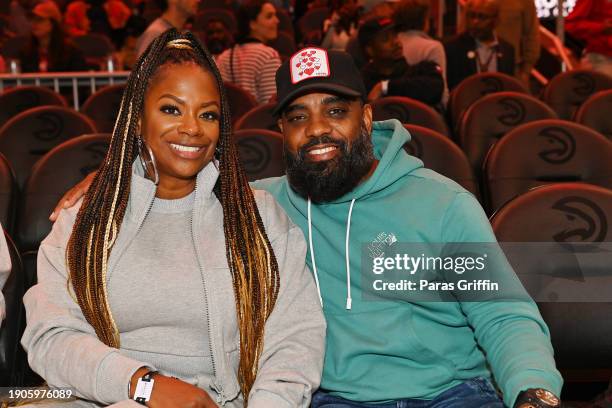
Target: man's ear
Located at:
point(367, 117)
point(279, 122)
point(368, 51)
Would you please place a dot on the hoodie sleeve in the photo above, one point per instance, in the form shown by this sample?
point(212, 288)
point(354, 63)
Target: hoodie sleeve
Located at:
point(62, 346)
point(513, 334)
point(292, 359)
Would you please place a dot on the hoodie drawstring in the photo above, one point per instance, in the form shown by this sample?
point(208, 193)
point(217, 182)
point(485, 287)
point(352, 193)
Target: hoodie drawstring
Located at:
point(312, 258)
point(349, 299)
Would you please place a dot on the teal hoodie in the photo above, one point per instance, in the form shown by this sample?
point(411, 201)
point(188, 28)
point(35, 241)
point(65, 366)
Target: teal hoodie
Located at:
point(381, 351)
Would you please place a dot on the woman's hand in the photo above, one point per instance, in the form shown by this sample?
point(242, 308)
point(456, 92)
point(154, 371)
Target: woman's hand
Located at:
point(73, 195)
point(171, 392)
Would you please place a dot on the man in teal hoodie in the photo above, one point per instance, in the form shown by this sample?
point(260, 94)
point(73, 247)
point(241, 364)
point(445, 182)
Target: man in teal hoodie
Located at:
point(350, 186)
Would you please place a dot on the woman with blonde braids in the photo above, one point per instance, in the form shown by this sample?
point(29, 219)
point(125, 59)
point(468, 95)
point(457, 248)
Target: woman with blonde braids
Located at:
point(172, 272)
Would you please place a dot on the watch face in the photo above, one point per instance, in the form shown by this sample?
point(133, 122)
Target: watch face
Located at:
point(547, 397)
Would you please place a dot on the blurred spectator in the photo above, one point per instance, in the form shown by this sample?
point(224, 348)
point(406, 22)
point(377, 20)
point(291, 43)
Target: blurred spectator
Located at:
point(604, 400)
point(48, 50)
point(411, 19)
point(591, 22)
point(250, 63)
point(126, 57)
point(5, 270)
point(174, 14)
point(217, 36)
point(479, 48)
point(340, 27)
point(519, 25)
point(19, 24)
point(388, 74)
point(76, 21)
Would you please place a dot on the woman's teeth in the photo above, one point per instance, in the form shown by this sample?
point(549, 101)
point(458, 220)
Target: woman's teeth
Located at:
point(185, 148)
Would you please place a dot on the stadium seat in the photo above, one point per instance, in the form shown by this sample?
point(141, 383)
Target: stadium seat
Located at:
point(565, 214)
point(19, 99)
point(491, 117)
point(475, 87)
point(31, 134)
point(595, 113)
point(568, 90)
point(8, 194)
point(408, 111)
point(261, 153)
point(442, 155)
point(54, 174)
point(12, 356)
point(544, 152)
point(240, 101)
point(103, 107)
point(260, 117)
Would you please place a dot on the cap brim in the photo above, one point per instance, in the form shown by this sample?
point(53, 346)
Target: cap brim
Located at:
point(318, 86)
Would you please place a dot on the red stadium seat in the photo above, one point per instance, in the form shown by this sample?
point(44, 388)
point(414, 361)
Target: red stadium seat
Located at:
point(595, 113)
point(240, 101)
point(31, 134)
point(103, 107)
point(21, 98)
point(489, 118)
point(544, 152)
point(565, 214)
point(260, 117)
point(442, 155)
point(261, 153)
point(568, 90)
point(408, 111)
point(475, 87)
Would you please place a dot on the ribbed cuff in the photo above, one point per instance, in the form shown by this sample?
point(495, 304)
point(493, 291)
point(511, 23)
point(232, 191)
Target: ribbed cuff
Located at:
point(114, 375)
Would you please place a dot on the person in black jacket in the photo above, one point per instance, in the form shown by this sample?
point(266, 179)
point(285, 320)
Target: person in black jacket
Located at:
point(388, 74)
point(478, 48)
point(48, 50)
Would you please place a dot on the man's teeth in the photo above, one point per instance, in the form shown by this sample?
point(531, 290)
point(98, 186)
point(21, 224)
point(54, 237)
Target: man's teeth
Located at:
point(322, 151)
point(184, 148)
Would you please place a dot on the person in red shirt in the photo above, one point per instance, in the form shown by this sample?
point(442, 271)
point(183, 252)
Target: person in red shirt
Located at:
point(591, 21)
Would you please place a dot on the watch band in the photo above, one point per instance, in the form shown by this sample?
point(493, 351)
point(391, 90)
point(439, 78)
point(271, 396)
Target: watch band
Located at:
point(144, 388)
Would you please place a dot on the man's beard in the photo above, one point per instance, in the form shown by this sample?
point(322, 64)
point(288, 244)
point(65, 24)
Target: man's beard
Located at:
point(331, 179)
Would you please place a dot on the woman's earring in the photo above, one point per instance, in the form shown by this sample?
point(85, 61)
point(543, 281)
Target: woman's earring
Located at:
point(147, 159)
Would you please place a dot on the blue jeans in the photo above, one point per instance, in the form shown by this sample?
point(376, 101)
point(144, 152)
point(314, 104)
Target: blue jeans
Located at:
point(475, 393)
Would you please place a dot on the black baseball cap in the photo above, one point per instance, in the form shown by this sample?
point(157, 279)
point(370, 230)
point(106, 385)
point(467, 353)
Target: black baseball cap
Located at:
point(316, 69)
point(371, 27)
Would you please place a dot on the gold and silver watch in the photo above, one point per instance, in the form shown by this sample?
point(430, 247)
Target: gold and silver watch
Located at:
point(537, 398)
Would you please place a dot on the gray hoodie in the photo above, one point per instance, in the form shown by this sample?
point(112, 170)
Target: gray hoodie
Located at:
point(63, 348)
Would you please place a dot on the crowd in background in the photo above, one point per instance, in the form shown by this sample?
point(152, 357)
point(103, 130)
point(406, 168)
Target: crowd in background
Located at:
point(390, 41)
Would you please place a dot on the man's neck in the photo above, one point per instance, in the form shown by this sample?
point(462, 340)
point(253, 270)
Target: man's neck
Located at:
point(488, 39)
point(175, 18)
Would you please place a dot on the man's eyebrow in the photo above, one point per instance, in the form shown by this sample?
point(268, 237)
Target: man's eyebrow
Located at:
point(329, 100)
point(293, 107)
